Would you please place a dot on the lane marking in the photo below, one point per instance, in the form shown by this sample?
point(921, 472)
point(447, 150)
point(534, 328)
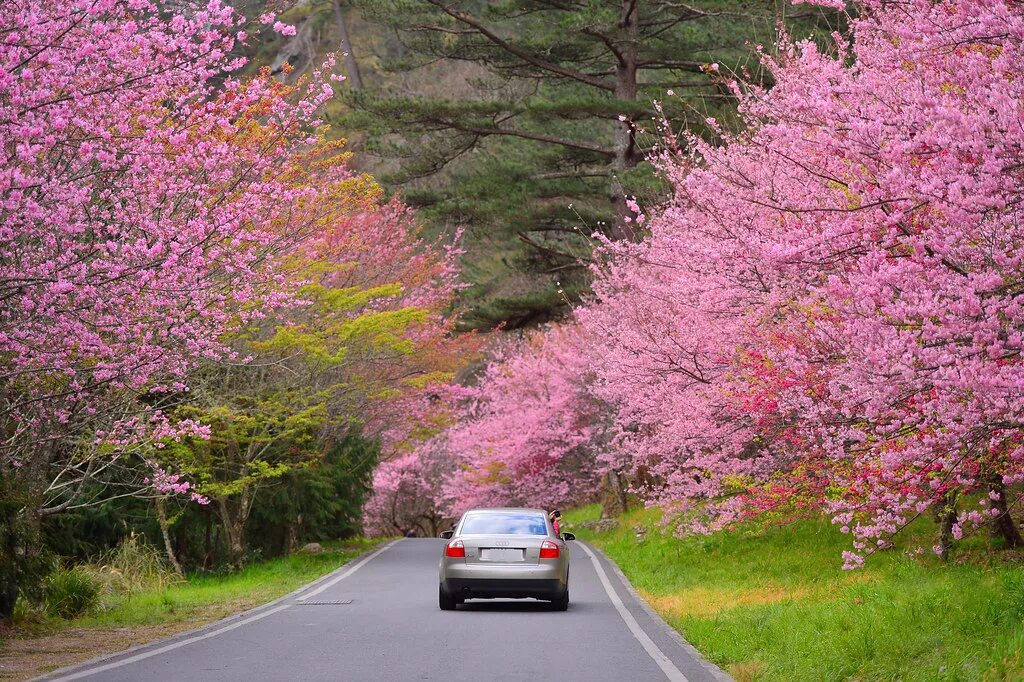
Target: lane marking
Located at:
point(664, 662)
point(154, 652)
point(355, 567)
point(227, 628)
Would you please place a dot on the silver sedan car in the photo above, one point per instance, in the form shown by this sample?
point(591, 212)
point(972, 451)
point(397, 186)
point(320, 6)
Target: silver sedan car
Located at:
point(504, 553)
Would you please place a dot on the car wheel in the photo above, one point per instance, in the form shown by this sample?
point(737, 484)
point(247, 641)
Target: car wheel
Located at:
point(446, 602)
point(562, 603)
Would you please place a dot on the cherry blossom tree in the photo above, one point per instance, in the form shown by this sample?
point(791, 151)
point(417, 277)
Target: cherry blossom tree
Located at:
point(833, 290)
point(144, 196)
point(407, 492)
point(530, 433)
point(148, 199)
point(162, 222)
point(908, 261)
point(365, 339)
point(827, 314)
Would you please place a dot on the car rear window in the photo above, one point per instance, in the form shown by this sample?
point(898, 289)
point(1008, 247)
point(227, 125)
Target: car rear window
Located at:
point(505, 524)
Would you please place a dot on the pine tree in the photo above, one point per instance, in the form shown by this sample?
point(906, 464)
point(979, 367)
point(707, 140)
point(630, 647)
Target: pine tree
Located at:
point(547, 144)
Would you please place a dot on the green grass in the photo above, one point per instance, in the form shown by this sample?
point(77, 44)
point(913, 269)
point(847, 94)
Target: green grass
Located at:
point(775, 604)
point(213, 596)
point(154, 608)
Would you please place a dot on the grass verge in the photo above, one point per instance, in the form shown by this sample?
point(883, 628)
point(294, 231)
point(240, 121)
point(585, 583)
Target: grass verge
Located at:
point(144, 616)
point(775, 604)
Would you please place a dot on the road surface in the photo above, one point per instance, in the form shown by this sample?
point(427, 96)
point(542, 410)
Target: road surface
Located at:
point(377, 619)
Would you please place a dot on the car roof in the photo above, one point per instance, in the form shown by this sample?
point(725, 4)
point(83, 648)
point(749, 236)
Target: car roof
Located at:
point(505, 510)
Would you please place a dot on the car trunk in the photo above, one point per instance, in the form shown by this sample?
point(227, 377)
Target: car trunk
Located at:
point(502, 549)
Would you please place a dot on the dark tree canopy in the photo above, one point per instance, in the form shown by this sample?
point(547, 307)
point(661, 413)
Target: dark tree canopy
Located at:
point(547, 141)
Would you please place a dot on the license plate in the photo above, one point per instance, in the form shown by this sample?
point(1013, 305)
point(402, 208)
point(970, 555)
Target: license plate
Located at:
point(501, 554)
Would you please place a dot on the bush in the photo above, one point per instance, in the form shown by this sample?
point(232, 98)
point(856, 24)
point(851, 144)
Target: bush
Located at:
point(71, 592)
point(134, 566)
point(27, 614)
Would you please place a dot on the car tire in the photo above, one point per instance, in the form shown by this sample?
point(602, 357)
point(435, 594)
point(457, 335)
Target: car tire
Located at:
point(562, 603)
point(444, 601)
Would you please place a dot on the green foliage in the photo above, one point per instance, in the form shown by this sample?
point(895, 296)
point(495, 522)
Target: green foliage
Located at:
point(25, 613)
point(254, 439)
point(204, 597)
point(338, 320)
point(134, 566)
point(774, 604)
point(280, 423)
point(85, 533)
point(507, 123)
point(70, 592)
point(316, 503)
point(120, 540)
point(197, 599)
point(23, 563)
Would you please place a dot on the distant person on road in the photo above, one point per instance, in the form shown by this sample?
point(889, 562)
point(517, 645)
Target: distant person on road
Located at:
point(555, 517)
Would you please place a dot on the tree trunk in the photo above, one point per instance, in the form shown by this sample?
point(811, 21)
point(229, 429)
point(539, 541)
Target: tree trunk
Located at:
point(165, 531)
point(613, 498)
point(947, 518)
point(626, 156)
point(234, 530)
point(355, 80)
point(1003, 525)
point(209, 540)
point(292, 534)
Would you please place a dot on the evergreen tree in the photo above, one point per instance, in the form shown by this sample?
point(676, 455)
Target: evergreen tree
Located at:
point(323, 501)
point(547, 144)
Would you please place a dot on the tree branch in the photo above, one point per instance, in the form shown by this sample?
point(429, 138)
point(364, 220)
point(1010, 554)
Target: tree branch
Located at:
point(537, 137)
point(521, 53)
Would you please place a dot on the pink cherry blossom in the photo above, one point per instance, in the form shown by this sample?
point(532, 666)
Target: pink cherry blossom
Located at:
point(147, 198)
point(284, 29)
point(826, 316)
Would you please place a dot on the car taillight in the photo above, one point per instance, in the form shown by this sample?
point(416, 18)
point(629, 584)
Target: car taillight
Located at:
point(548, 550)
point(455, 549)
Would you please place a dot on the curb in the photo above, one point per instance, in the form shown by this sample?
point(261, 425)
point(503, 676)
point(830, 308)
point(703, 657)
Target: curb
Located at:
point(186, 634)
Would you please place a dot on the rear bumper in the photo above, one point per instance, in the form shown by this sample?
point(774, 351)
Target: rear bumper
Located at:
point(545, 579)
point(546, 569)
point(490, 588)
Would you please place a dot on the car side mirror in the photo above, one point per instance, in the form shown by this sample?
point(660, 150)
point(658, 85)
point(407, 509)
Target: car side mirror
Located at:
point(568, 536)
point(446, 534)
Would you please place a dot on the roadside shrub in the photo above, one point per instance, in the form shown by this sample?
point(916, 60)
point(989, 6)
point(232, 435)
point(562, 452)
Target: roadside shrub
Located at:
point(71, 592)
point(134, 566)
point(27, 613)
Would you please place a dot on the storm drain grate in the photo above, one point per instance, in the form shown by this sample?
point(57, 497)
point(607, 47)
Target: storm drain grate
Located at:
point(332, 602)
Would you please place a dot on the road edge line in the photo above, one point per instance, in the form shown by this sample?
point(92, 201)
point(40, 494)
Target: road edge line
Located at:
point(78, 670)
point(673, 673)
point(141, 656)
point(350, 569)
point(713, 669)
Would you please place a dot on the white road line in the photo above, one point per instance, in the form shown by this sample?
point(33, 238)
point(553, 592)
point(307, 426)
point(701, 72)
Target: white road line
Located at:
point(355, 567)
point(175, 645)
point(213, 633)
point(664, 662)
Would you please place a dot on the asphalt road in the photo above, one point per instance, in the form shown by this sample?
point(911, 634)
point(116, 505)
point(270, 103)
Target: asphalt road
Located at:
point(387, 626)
